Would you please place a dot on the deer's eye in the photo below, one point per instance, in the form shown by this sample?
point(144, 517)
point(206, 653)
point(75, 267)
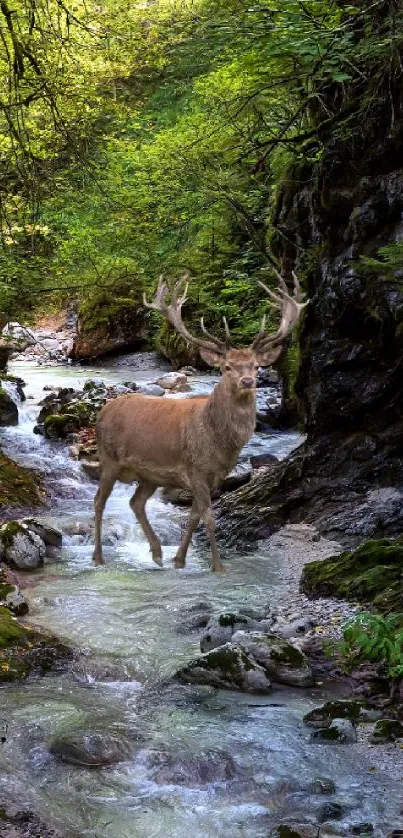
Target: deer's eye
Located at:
point(227, 367)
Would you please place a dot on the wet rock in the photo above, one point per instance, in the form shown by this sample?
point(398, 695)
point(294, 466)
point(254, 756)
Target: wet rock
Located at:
point(296, 628)
point(219, 630)
point(362, 828)
point(151, 390)
point(20, 547)
point(8, 409)
point(386, 730)
point(263, 460)
point(281, 661)
point(195, 617)
point(330, 811)
point(294, 830)
point(194, 771)
point(372, 573)
point(175, 381)
point(322, 786)
point(50, 535)
point(239, 476)
point(24, 650)
point(91, 469)
point(16, 602)
point(91, 749)
point(229, 667)
point(340, 730)
point(179, 497)
point(356, 711)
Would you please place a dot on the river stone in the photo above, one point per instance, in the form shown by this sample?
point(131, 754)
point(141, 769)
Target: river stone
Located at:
point(51, 536)
point(91, 469)
point(20, 547)
point(330, 811)
point(151, 390)
point(281, 661)
point(91, 750)
point(356, 711)
point(294, 830)
point(16, 602)
point(228, 667)
point(193, 771)
point(322, 785)
point(386, 730)
point(219, 630)
point(340, 730)
point(176, 381)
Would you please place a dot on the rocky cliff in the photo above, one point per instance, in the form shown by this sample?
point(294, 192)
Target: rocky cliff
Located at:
point(348, 475)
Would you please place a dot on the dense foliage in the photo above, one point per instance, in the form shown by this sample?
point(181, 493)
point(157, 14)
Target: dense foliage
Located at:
point(139, 138)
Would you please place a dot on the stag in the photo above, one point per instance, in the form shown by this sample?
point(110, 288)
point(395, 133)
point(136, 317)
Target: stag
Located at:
point(192, 443)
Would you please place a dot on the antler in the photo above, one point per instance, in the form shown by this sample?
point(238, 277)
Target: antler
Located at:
point(172, 312)
point(290, 307)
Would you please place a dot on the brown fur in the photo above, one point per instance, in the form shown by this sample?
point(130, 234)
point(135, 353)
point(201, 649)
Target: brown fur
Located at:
point(192, 443)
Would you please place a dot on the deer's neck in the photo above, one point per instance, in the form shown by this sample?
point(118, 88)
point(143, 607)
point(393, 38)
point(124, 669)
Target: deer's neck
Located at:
point(231, 417)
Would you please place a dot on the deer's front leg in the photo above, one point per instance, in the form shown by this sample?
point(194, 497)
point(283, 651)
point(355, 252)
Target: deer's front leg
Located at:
point(202, 503)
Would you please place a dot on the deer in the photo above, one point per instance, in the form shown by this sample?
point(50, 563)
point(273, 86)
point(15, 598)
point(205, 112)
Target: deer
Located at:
point(190, 443)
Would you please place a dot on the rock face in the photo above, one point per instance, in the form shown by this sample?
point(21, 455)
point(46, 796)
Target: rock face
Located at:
point(330, 214)
point(109, 327)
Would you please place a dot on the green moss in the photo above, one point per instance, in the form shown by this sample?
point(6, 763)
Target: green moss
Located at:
point(288, 656)
point(9, 531)
point(24, 650)
point(387, 730)
point(18, 486)
point(334, 710)
point(372, 574)
point(226, 620)
point(5, 589)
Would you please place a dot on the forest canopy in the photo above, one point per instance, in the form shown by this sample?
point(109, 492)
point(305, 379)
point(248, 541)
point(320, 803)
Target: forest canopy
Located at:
point(156, 136)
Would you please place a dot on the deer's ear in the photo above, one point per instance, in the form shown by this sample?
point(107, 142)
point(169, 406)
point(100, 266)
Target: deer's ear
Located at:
point(213, 359)
point(268, 357)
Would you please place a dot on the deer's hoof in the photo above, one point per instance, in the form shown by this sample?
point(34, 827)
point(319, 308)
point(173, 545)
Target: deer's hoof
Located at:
point(219, 568)
point(98, 560)
point(179, 562)
point(158, 560)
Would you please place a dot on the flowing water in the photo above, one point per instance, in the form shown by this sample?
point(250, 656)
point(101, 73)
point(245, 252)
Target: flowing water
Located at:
point(132, 621)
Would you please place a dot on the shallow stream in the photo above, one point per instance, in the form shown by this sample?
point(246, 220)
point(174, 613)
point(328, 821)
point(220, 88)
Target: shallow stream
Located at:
point(132, 620)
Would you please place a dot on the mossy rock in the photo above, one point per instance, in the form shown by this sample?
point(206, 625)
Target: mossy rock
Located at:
point(372, 574)
point(8, 409)
point(59, 425)
point(18, 486)
point(342, 709)
point(227, 667)
point(386, 730)
point(24, 650)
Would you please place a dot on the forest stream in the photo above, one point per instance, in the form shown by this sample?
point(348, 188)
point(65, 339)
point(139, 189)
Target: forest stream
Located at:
point(130, 619)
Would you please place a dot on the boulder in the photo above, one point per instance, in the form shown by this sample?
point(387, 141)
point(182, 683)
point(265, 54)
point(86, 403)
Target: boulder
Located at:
point(175, 381)
point(227, 667)
point(386, 730)
point(51, 536)
point(355, 711)
point(91, 469)
point(340, 730)
point(219, 630)
point(107, 325)
point(20, 547)
point(8, 409)
point(91, 749)
point(280, 660)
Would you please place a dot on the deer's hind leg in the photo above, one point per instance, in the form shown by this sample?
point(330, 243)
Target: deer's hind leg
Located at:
point(194, 518)
point(106, 483)
point(138, 503)
point(202, 503)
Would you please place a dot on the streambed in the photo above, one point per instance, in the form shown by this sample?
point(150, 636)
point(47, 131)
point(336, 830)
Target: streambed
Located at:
point(132, 621)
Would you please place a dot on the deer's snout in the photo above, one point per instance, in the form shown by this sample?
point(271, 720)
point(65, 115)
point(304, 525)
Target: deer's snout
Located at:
point(247, 382)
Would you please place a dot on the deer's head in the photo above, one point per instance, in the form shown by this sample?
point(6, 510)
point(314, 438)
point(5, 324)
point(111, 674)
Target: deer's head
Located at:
point(240, 366)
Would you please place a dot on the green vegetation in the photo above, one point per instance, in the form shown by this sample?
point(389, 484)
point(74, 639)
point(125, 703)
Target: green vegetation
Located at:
point(18, 486)
point(149, 138)
point(371, 637)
